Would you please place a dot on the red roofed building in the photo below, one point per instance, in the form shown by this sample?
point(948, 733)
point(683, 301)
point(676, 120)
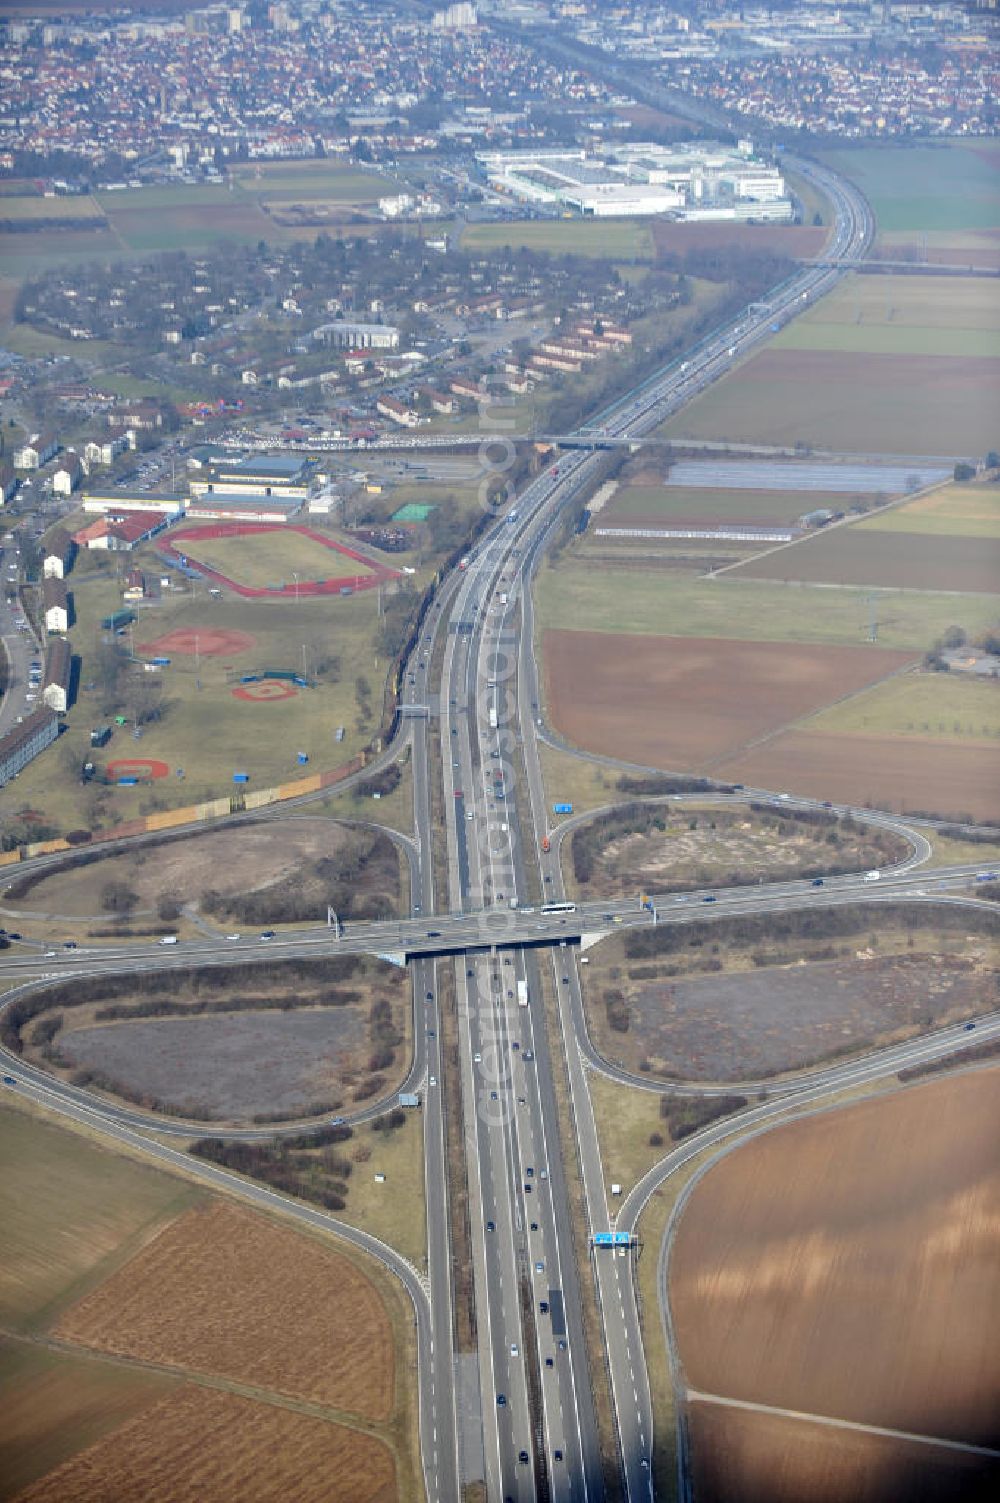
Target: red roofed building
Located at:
point(122, 532)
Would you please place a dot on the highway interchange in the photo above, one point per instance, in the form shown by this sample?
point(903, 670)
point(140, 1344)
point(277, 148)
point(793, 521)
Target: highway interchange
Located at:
point(534, 1385)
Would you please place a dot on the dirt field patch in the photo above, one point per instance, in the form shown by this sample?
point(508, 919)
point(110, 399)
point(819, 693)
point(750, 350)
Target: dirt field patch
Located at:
point(235, 1067)
point(233, 863)
point(801, 241)
point(225, 1292)
point(266, 689)
point(855, 403)
point(848, 1265)
point(204, 1446)
point(896, 560)
point(145, 768)
point(740, 1456)
point(700, 699)
point(203, 641)
point(760, 1023)
point(887, 772)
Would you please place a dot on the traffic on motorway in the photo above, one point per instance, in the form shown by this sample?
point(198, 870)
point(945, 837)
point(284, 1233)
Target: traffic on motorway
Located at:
point(532, 1380)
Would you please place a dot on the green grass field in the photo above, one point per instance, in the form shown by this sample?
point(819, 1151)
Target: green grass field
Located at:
point(328, 181)
point(901, 315)
point(575, 597)
point(34, 207)
point(70, 1211)
point(668, 503)
point(613, 239)
point(205, 729)
point(947, 185)
point(949, 705)
point(273, 558)
point(955, 511)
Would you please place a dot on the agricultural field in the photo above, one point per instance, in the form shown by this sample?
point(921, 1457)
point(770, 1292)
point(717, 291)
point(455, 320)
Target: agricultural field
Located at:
point(850, 403)
point(942, 706)
point(24, 210)
point(143, 1307)
point(900, 315)
point(661, 848)
point(934, 776)
point(954, 511)
point(717, 1003)
point(942, 187)
point(705, 699)
point(329, 182)
point(881, 365)
point(746, 1455)
point(651, 504)
point(607, 239)
point(844, 1266)
point(67, 1209)
point(256, 204)
point(56, 1405)
point(887, 559)
point(800, 241)
point(202, 1443)
point(571, 594)
point(200, 1298)
point(274, 864)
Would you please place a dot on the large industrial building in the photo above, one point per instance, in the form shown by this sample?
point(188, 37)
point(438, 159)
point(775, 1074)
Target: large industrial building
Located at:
point(695, 180)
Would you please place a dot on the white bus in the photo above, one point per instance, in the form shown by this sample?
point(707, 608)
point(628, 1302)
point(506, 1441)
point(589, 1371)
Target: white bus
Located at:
point(558, 908)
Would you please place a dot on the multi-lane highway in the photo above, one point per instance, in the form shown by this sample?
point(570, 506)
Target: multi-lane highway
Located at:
point(535, 1389)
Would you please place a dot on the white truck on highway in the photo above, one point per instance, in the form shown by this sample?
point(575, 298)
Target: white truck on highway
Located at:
point(522, 994)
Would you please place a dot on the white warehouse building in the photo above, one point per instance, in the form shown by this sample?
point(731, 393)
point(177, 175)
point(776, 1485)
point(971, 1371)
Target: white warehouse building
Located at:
point(692, 180)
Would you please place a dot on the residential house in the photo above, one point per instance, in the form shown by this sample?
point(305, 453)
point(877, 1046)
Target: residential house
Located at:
point(8, 481)
point(439, 400)
point(25, 741)
point(135, 586)
point(68, 474)
point(399, 413)
point(55, 603)
point(58, 554)
point(38, 450)
point(139, 417)
point(58, 661)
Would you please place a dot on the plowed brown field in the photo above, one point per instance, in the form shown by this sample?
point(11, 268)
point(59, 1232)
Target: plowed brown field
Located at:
point(681, 702)
point(855, 403)
point(745, 1457)
point(203, 1446)
point(788, 240)
point(940, 777)
point(225, 1292)
point(848, 1265)
point(886, 559)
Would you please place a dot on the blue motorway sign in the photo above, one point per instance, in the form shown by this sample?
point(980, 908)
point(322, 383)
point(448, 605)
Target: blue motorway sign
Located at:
point(612, 1239)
